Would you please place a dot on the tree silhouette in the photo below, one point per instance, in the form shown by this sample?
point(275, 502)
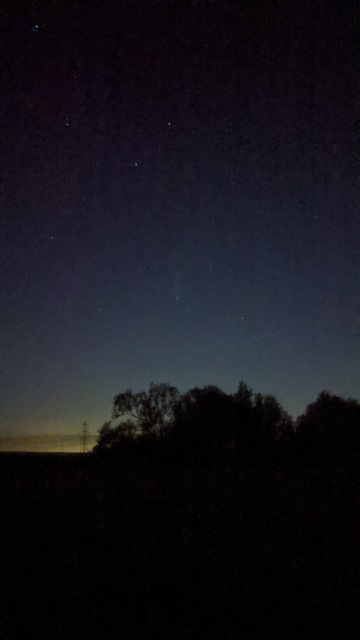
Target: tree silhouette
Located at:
point(243, 433)
point(152, 411)
point(270, 418)
point(203, 419)
point(330, 426)
point(115, 437)
point(259, 421)
point(244, 395)
point(202, 422)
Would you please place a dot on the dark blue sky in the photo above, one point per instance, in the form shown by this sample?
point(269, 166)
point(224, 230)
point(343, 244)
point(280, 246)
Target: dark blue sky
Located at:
point(180, 203)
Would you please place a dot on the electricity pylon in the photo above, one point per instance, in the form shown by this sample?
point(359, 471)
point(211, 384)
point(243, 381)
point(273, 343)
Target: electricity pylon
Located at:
point(84, 437)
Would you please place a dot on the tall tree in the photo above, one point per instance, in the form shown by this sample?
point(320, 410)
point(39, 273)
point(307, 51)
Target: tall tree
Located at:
point(244, 395)
point(152, 410)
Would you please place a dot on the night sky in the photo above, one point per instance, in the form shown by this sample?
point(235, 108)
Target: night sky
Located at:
point(180, 203)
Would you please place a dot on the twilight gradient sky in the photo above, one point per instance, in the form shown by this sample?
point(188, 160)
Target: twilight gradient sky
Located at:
point(180, 203)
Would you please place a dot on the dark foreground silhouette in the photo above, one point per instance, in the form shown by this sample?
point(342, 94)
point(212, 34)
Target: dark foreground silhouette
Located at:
point(94, 549)
point(222, 527)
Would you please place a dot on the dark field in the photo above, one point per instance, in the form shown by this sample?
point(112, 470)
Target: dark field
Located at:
point(135, 549)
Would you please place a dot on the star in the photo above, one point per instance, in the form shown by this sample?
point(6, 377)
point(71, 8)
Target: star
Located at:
point(36, 27)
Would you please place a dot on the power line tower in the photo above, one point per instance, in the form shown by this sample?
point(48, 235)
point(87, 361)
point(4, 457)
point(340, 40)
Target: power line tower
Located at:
point(84, 437)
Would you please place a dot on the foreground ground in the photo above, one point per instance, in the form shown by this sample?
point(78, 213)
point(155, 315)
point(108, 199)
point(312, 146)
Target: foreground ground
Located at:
point(137, 549)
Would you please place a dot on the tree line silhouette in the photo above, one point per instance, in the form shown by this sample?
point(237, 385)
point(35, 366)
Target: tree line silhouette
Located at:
point(200, 516)
point(204, 423)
